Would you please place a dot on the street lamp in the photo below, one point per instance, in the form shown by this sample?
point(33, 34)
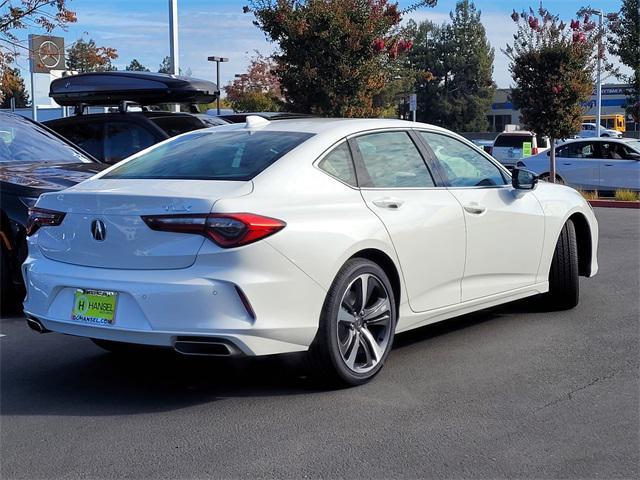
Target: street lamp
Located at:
point(218, 60)
point(600, 14)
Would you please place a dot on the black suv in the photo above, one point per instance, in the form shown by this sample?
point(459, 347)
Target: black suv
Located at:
point(111, 137)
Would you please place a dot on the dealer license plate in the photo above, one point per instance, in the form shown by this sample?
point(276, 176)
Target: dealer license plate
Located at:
point(94, 306)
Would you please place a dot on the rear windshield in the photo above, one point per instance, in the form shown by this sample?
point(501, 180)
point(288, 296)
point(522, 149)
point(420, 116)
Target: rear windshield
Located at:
point(175, 125)
point(25, 141)
point(211, 155)
point(512, 140)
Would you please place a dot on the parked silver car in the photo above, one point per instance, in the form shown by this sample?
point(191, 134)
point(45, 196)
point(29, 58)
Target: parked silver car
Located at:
point(603, 164)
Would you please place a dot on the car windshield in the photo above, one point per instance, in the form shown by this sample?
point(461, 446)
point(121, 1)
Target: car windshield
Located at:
point(514, 141)
point(25, 141)
point(211, 155)
point(635, 144)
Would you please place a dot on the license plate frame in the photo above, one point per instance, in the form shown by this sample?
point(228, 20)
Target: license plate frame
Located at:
point(97, 307)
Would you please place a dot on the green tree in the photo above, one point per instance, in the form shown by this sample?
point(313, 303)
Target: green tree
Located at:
point(86, 56)
point(334, 55)
point(257, 90)
point(136, 66)
point(12, 86)
point(552, 65)
point(624, 41)
point(165, 66)
point(459, 57)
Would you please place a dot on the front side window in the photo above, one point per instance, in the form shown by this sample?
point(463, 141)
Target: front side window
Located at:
point(211, 155)
point(88, 135)
point(613, 151)
point(391, 160)
point(338, 163)
point(463, 166)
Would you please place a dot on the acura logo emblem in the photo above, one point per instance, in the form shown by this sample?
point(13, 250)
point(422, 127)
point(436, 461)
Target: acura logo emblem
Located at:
point(98, 230)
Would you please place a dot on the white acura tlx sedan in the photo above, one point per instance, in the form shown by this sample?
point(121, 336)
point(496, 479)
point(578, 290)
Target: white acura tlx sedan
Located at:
point(319, 235)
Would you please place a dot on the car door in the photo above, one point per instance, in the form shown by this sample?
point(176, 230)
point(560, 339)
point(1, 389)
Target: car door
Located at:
point(504, 226)
point(424, 221)
point(577, 164)
point(618, 168)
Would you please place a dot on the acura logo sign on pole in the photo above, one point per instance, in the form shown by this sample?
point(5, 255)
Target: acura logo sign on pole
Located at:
point(98, 230)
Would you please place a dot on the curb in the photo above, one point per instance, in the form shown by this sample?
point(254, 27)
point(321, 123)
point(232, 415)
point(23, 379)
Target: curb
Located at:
point(615, 203)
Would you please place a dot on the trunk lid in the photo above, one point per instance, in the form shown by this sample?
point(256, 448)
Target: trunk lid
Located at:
point(115, 207)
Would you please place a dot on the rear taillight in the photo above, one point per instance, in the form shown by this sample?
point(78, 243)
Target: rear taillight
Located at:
point(227, 230)
point(39, 217)
point(534, 151)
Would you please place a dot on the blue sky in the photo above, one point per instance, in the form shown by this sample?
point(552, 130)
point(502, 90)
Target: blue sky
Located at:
point(138, 29)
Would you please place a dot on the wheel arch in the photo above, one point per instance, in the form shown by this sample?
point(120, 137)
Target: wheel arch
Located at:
point(583, 238)
point(388, 265)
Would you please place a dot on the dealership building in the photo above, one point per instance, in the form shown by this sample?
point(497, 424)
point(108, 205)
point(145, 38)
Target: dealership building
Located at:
point(613, 99)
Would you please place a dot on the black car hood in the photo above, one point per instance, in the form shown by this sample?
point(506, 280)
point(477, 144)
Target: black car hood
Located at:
point(47, 176)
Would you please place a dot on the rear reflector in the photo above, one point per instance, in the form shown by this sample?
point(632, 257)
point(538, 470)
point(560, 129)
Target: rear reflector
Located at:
point(227, 230)
point(39, 217)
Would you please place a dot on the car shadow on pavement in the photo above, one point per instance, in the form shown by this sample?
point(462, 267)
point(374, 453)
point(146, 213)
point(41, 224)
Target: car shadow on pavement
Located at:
point(101, 383)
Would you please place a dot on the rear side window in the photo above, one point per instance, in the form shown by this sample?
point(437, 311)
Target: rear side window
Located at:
point(391, 160)
point(512, 141)
point(338, 163)
point(88, 136)
point(124, 139)
point(211, 155)
point(577, 150)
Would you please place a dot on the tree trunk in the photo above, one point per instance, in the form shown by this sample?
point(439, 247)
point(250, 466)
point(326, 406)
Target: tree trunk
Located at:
point(552, 161)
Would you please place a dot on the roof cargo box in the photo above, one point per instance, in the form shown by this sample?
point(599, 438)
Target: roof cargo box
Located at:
point(112, 88)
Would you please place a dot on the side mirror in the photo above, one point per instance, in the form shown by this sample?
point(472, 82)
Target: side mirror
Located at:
point(522, 179)
point(633, 156)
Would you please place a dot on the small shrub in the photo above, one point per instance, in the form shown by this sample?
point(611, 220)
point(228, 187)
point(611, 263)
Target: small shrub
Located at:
point(589, 194)
point(627, 195)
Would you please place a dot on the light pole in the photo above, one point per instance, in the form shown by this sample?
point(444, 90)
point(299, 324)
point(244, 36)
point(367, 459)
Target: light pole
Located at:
point(218, 60)
point(599, 74)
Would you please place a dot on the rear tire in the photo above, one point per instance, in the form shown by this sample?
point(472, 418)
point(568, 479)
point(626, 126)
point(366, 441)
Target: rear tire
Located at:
point(564, 284)
point(546, 176)
point(356, 329)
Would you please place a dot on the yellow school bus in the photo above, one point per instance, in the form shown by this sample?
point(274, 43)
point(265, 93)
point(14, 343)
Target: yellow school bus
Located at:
point(613, 122)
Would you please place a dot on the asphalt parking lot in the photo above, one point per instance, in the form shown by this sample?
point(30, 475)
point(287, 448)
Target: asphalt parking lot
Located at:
point(504, 393)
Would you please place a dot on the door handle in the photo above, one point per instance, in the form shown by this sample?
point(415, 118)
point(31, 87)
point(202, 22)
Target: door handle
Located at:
point(388, 202)
point(566, 163)
point(608, 164)
point(475, 208)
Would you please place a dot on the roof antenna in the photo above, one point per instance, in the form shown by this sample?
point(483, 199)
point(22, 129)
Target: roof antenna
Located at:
point(255, 121)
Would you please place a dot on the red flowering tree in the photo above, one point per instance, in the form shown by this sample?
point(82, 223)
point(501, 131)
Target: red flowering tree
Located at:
point(552, 65)
point(256, 90)
point(334, 56)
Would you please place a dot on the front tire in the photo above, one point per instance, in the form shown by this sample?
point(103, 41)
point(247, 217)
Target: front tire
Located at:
point(357, 325)
point(564, 285)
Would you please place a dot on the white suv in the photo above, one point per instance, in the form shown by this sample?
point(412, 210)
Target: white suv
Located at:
point(589, 130)
point(509, 147)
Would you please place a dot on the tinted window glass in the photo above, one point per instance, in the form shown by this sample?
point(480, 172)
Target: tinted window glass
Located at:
point(338, 164)
point(391, 160)
point(463, 166)
point(613, 151)
point(512, 141)
point(175, 125)
point(212, 155)
point(124, 139)
point(88, 136)
point(577, 150)
point(24, 141)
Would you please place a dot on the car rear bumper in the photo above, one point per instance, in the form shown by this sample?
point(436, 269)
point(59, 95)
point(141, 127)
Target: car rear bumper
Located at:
point(158, 307)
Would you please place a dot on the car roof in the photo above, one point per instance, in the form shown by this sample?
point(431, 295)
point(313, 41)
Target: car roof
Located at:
point(343, 126)
point(599, 139)
point(516, 133)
